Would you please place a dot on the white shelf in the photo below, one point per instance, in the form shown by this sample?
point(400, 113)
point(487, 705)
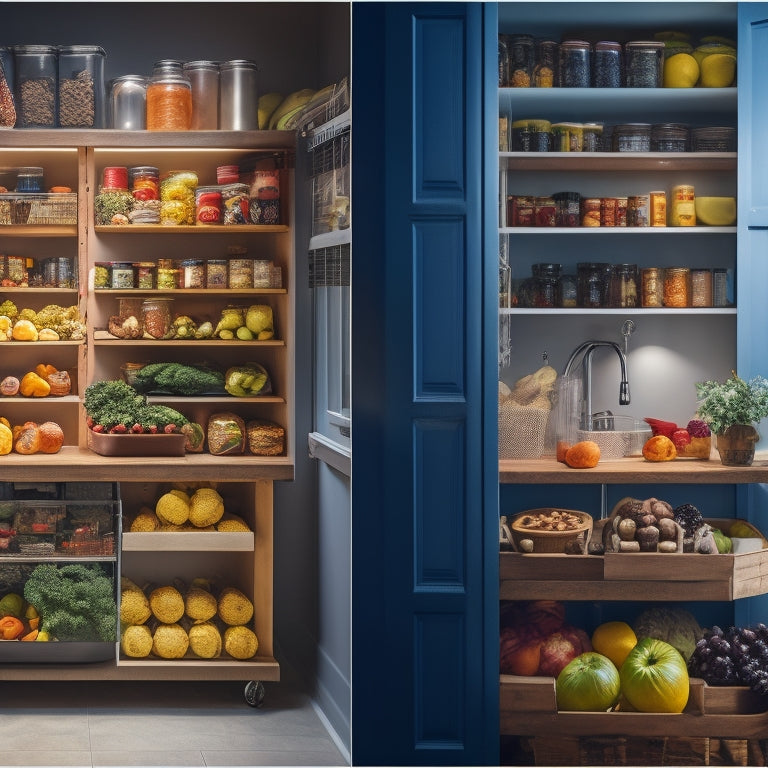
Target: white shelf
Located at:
point(698, 311)
point(623, 231)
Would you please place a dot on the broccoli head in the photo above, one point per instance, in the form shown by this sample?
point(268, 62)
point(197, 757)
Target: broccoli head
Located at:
point(112, 403)
point(76, 602)
point(179, 379)
point(9, 309)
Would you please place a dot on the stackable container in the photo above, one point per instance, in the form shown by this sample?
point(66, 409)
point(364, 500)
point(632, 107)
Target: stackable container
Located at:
point(128, 103)
point(81, 89)
point(238, 95)
point(36, 86)
point(204, 79)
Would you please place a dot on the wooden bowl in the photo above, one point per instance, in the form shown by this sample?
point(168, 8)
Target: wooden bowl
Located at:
point(546, 539)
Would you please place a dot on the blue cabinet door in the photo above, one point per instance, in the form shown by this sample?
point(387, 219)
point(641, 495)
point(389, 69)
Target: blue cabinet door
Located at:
point(424, 466)
point(752, 253)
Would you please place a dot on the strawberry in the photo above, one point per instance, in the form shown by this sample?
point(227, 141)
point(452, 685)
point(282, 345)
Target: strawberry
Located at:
point(661, 427)
point(681, 438)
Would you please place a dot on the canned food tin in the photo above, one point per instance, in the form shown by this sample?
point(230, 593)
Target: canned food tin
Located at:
point(683, 209)
point(658, 210)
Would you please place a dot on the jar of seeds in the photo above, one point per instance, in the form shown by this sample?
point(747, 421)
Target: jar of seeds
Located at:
point(644, 63)
point(574, 64)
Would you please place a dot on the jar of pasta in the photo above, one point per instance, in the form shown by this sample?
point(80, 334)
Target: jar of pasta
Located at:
point(677, 287)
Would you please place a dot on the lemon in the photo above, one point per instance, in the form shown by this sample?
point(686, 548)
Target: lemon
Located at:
point(681, 71)
point(614, 639)
point(718, 70)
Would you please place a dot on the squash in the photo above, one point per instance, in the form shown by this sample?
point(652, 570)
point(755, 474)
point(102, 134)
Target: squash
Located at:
point(44, 370)
point(24, 330)
point(34, 385)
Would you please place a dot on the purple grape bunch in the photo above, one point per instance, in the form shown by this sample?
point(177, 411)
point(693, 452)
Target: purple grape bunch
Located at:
point(734, 656)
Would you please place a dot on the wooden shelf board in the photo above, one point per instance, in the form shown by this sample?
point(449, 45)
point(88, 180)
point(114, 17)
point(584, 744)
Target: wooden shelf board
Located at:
point(182, 229)
point(105, 338)
point(112, 292)
point(632, 470)
point(188, 541)
point(79, 464)
point(38, 230)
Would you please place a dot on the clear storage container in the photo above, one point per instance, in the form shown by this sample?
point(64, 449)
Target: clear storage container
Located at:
point(204, 80)
point(607, 65)
point(7, 103)
point(575, 64)
point(521, 60)
point(545, 69)
point(169, 101)
point(36, 77)
point(81, 86)
point(238, 95)
point(644, 64)
point(128, 103)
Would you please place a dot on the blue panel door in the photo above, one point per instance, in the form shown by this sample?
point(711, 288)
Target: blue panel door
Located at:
point(425, 467)
point(752, 256)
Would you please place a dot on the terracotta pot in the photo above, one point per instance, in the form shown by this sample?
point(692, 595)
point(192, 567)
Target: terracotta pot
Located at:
point(736, 445)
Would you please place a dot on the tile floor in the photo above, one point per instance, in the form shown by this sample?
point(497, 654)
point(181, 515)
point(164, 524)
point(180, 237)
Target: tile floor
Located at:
point(159, 724)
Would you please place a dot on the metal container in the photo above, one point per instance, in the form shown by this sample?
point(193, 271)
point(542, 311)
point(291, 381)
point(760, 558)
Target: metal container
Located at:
point(128, 103)
point(238, 95)
point(204, 77)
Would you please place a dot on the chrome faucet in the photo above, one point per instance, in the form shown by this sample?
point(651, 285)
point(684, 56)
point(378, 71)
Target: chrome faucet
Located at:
point(586, 350)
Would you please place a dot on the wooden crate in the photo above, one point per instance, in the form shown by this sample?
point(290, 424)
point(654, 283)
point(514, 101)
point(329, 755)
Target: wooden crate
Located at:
point(720, 726)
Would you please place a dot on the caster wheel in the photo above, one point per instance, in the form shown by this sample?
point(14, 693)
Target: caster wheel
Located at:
point(254, 693)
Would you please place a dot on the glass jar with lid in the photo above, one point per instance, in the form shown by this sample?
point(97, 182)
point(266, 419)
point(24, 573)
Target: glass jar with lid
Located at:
point(593, 284)
point(545, 68)
point(623, 286)
point(204, 80)
point(652, 287)
point(238, 95)
point(167, 275)
point(156, 316)
point(607, 65)
point(644, 63)
point(677, 287)
point(81, 86)
point(128, 103)
point(35, 91)
point(701, 287)
point(521, 59)
point(574, 64)
point(545, 284)
point(169, 100)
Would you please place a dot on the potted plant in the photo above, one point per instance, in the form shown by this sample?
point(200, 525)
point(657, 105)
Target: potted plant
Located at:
point(732, 409)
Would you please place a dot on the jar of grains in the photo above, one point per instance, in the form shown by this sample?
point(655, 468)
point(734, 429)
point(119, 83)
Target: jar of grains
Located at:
point(169, 101)
point(677, 287)
point(192, 273)
point(544, 71)
point(216, 273)
point(156, 316)
point(701, 287)
point(651, 287)
point(607, 65)
point(623, 286)
point(122, 275)
point(574, 64)
point(241, 273)
point(145, 275)
point(644, 63)
point(520, 60)
point(167, 275)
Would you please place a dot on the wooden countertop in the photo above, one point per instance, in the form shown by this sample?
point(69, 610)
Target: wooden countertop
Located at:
point(631, 470)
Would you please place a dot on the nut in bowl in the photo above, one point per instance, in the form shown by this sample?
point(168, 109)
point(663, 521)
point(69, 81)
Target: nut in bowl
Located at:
point(551, 529)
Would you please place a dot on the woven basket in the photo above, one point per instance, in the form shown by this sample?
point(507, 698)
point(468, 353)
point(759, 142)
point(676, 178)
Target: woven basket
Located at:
point(522, 430)
point(550, 541)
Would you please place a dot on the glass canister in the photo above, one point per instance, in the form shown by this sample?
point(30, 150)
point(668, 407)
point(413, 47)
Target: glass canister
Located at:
point(632, 137)
point(503, 60)
point(238, 95)
point(177, 198)
point(145, 182)
point(623, 286)
point(677, 287)
point(568, 208)
point(701, 287)
point(521, 59)
point(145, 275)
point(652, 287)
point(592, 137)
point(719, 287)
point(567, 137)
point(567, 291)
point(208, 205)
point(192, 273)
point(531, 135)
point(169, 100)
point(545, 69)
point(644, 63)
point(592, 284)
point(607, 65)
point(204, 80)
point(36, 77)
point(669, 137)
point(574, 64)
point(123, 275)
point(167, 275)
point(156, 316)
point(81, 86)
point(128, 103)
point(29, 179)
point(216, 273)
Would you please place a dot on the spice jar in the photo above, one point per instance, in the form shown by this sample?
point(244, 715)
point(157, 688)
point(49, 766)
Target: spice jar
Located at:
point(623, 286)
point(169, 101)
point(592, 284)
point(701, 287)
point(574, 64)
point(652, 287)
point(545, 69)
point(520, 60)
point(677, 291)
point(607, 65)
point(156, 317)
point(644, 63)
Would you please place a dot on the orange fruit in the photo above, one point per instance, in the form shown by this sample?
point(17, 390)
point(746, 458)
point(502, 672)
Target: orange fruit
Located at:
point(525, 660)
point(614, 639)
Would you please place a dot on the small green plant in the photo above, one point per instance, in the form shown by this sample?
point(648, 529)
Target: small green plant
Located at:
point(734, 401)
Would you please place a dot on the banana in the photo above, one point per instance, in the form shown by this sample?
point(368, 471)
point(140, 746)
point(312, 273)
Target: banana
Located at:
point(289, 104)
point(268, 103)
